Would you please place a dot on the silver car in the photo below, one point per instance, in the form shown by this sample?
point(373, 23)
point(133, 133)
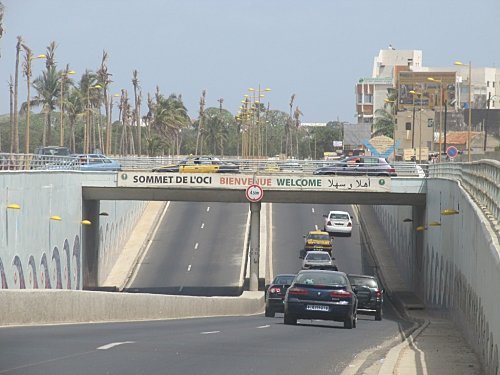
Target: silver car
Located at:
point(318, 260)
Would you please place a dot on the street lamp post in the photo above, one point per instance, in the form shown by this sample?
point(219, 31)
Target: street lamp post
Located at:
point(415, 93)
point(440, 82)
point(469, 128)
point(64, 76)
point(393, 113)
point(29, 57)
point(490, 98)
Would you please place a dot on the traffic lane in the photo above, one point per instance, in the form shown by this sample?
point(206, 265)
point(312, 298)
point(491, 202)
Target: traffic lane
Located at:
point(226, 345)
point(292, 222)
point(190, 254)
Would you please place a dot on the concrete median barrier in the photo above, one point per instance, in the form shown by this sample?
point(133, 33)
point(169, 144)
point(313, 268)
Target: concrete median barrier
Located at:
point(38, 307)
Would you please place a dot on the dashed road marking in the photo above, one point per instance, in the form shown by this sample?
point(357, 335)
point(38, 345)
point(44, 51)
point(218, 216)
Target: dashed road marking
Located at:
point(113, 344)
point(209, 332)
point(202, 225)
point(189, 268)
point(312, 209)
point(196, 245)
point(208, 208)
point(266, 326)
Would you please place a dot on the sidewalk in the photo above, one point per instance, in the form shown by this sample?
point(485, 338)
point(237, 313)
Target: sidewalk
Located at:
point(436, 346)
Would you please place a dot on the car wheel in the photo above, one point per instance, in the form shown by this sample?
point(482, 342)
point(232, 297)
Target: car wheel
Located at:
point(290, 319)
point(269, 313)
point(349, 322)
point(378, 314)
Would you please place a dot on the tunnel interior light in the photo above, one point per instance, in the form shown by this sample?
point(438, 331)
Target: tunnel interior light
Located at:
point(56, 218)
point(407, 220)
point(86, 222)
point(103, 213)
point(449, 211)
point(14, 206)
point(434, 224)
point(420, 228)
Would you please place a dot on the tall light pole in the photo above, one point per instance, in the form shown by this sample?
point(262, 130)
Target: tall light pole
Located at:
point(64, 76)
point(440, 82)
point(415, 93)
point(469, 128)
point(29, 57)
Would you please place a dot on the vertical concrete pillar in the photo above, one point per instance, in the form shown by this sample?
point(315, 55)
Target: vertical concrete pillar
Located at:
point(90, 243)
point(254, 245)
point(419, 250)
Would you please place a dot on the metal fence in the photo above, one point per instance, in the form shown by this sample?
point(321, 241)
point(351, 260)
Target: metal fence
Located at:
point(481, 179)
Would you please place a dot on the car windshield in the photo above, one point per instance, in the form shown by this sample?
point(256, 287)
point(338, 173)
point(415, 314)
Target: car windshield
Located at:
point(363, 281)
point(318, 256)
point(320, 278)
point(319, 237)
point(339, 216)
point(285, 280)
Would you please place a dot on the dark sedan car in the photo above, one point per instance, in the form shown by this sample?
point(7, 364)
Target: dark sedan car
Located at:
point(370, 295)
point(276, 293)
point(358, 166)
point(324, 295)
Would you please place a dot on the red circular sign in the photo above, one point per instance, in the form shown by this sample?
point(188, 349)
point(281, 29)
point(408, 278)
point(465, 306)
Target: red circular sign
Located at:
point(254, 193)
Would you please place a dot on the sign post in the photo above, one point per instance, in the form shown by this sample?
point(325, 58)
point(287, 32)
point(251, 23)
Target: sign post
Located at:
point(254, 193)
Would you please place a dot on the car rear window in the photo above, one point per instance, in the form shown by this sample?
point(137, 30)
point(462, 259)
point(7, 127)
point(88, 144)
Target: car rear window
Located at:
point(322, 278)
point(283, 279)
point(363, 281)
point(319, 237)
point(339, 216)
point(317, 256)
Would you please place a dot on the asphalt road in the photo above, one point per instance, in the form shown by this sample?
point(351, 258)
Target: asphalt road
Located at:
point(197, 250)
point(225, 345)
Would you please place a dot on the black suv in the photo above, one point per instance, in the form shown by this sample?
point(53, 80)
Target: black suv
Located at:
point(370, 294)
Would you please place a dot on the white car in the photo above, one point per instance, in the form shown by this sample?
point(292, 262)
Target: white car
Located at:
point(338, 222)
point(318, 260)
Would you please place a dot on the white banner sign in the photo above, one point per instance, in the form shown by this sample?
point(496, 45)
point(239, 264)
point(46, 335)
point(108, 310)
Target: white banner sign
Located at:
point(241, 181)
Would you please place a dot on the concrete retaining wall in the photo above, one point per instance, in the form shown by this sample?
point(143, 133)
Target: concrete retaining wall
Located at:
point(37, 252)
point(64, 306)
point(459, 269)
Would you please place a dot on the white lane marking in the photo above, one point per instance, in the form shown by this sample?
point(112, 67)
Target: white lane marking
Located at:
point(189, 268)
point(312, 209)
point(209, 332)
point(208, 208)
point(316, 226)
point(202, 225)
point(266, 326)
point(113, 344)
point(196, 245)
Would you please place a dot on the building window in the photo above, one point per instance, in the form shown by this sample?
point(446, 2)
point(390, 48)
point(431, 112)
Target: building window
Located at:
point(408, 126)
point(487, 83)
point(368, 99)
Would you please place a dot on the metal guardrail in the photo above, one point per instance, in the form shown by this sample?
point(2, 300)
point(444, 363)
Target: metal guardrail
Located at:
point(481, 179)
point(265, 166)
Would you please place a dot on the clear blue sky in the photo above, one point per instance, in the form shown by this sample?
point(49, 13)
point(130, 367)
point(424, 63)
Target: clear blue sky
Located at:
point(316, 49)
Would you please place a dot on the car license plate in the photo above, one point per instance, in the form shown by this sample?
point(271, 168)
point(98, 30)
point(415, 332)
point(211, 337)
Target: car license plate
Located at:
point(317, 308)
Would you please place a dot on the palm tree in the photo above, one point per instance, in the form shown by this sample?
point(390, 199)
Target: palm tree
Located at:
point(137, 111)
point(384, 123)
point(104, 81)
point(75, 108)
point(48, 89)
point(14, 135)
point(200, 123)
point(2, 9)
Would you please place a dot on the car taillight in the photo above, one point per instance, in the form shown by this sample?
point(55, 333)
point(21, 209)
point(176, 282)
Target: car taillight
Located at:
point(392, 170)
point(297, 292)
point(274, 290)
point(378, 293)
point(349, 224)
point(340, 294)
point(329, 223)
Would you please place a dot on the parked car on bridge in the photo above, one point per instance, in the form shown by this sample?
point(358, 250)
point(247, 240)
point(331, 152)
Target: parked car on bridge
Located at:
point(275, 293)
point(338, 222)
point(51, 157)
point(324, 295)
point(200, 164)
point(358, 166)
point(370, 294)
point(318, 260)
point(97, 162)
